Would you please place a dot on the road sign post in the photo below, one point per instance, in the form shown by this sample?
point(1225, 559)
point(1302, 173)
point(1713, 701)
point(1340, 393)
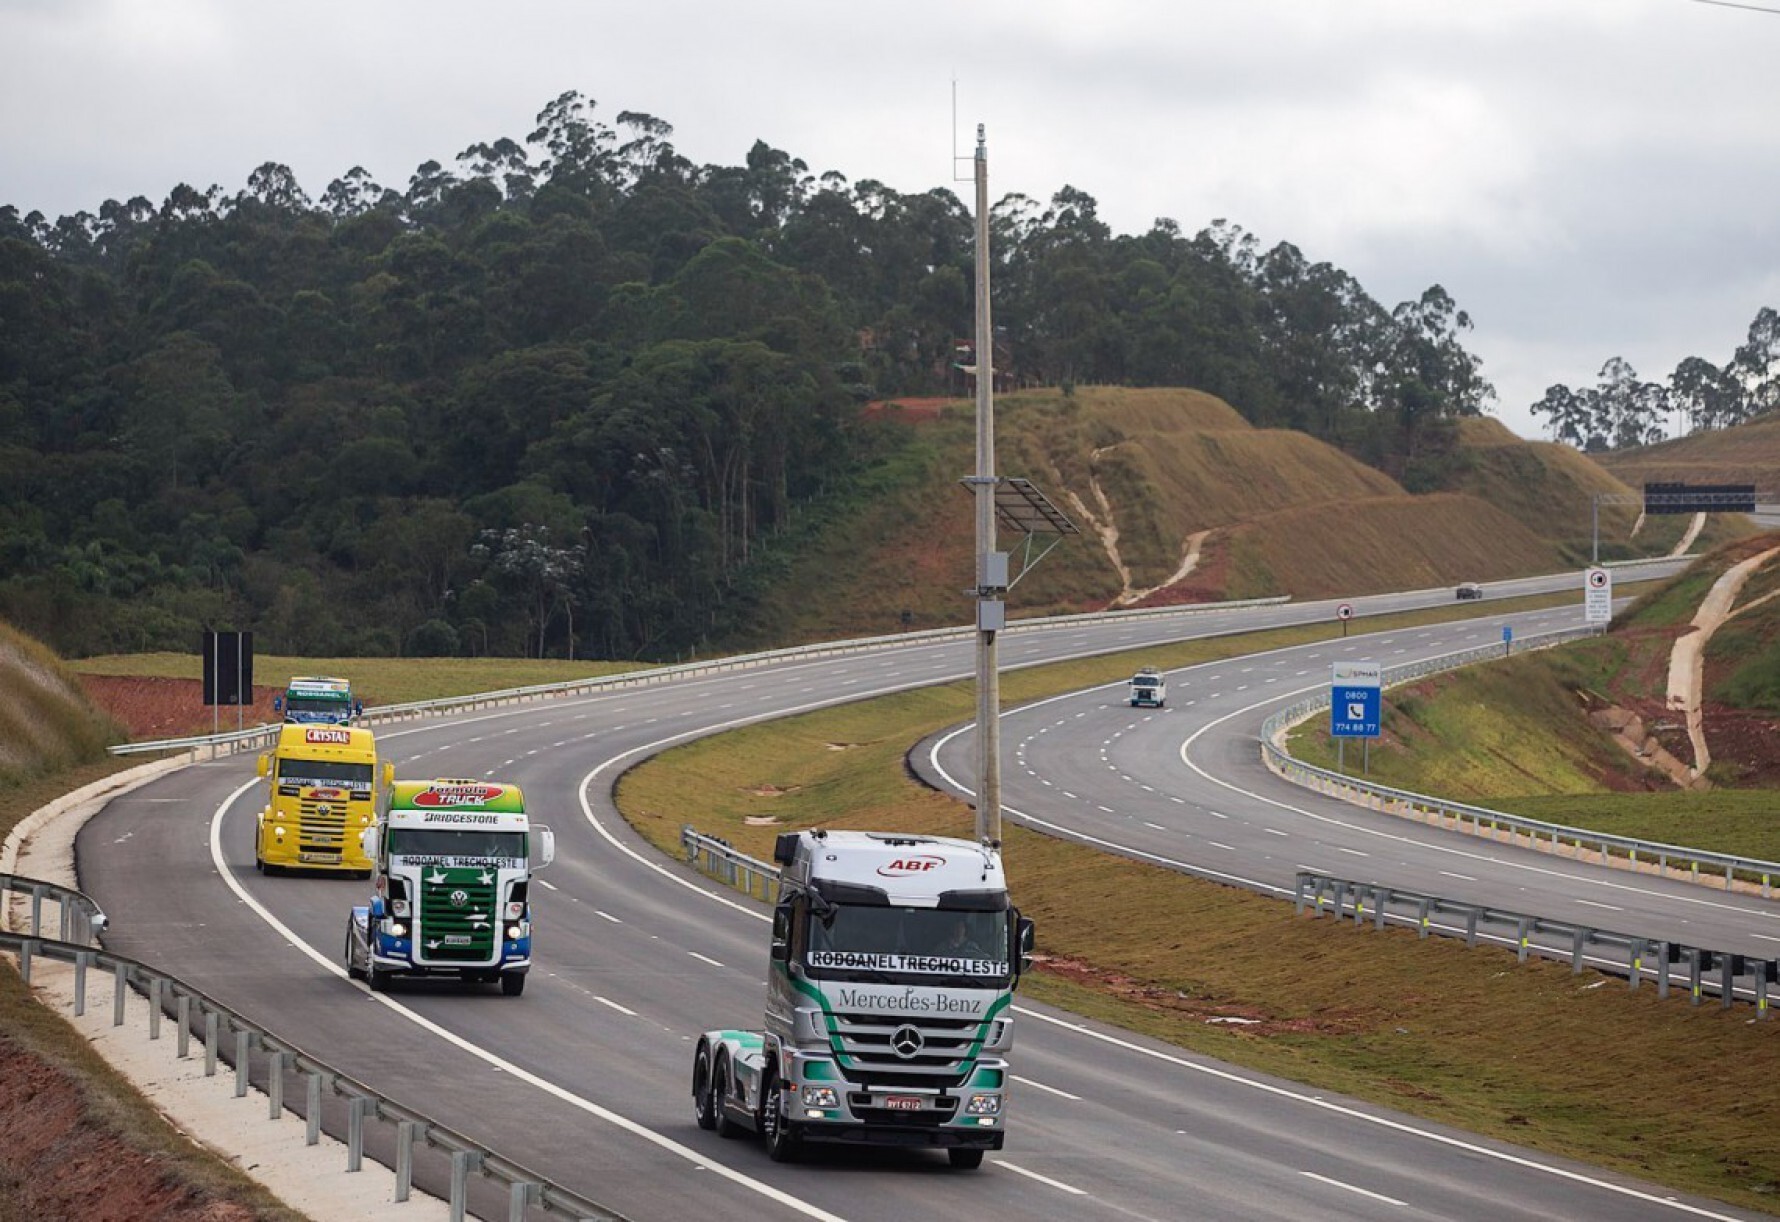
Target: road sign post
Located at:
point(1597, 596)
point(1344, 612)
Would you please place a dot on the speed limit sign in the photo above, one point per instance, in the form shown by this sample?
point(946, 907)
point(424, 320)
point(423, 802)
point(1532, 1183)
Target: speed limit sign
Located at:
point(1344, 610)
point(1598, 579)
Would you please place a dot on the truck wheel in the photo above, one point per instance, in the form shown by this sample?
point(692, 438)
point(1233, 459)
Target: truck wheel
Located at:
point(965, 1160)
point(704, 1103)
point(719, 1093)
point(512, 984)
point(782, 1145)
point(352, 971)
point(377, 978)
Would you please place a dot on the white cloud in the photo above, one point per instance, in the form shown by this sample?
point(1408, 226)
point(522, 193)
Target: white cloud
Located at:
point(1588, 178)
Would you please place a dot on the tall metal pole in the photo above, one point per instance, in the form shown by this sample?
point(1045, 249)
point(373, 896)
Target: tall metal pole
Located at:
point(991, 576)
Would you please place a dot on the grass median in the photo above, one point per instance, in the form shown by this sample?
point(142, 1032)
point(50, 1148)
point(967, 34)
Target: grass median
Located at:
point(1575, 1065)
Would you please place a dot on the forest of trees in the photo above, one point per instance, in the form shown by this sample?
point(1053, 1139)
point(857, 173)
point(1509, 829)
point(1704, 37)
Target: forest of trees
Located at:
point(1624, 410)
point(553, 399)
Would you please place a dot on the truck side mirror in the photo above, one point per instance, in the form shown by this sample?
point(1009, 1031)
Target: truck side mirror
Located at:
point(278, 704)
point(389, 773)
point(377, 908)
point(781, 949)
point(367, 841)
point(545, 847)
point(265, 765)
point(1024, 932)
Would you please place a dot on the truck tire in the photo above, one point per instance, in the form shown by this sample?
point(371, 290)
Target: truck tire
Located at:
point(782, 1145)
point(720, 1092)
point(965, 1160)
point(512, 984)
point(704, 1102)
point(352, 969)
point(377, 978)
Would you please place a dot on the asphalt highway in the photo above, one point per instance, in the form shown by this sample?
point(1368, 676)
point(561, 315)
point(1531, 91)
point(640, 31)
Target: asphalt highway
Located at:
point(585, 1078)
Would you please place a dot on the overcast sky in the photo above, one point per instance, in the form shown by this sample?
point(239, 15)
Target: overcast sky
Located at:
point(1587, 178)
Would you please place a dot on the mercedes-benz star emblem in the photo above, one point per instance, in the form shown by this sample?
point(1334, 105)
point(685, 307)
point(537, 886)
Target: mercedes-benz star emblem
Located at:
point(906, 1042)
point(459, 898)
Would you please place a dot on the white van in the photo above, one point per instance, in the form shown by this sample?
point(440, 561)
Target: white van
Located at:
point(1149, 687)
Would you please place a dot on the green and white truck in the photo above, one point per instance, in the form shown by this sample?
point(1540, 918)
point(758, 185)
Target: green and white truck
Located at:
point(452, 863)
point(889, 996)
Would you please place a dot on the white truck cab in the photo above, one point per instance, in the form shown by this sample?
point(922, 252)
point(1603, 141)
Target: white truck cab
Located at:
point(890, 982)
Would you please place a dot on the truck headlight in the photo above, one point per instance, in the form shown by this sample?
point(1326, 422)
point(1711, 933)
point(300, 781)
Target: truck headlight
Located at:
point(516, 932)
point(820, 1096)
point(279, 831)
point(983, 1105)
point(395, 929)
point(398, 908)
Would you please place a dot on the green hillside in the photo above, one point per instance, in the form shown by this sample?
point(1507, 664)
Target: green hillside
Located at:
point(1143, 471)
point(47, 724)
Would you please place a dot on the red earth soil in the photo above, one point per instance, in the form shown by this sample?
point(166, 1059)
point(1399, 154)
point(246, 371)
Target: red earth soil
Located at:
point(171, 708)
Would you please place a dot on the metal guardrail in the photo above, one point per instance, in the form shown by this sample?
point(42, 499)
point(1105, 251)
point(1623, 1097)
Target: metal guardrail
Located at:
point(1625, 852)
point(724, 862)
point(1635, 956)
point(279, 1062)
point(258, 736)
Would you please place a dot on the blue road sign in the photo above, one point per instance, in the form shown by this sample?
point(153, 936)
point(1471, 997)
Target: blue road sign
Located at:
point(1507, 633)
point(1354, 700)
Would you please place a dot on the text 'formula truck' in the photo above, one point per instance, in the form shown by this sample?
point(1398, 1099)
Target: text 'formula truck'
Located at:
point(453, 862)
point(889, 1001)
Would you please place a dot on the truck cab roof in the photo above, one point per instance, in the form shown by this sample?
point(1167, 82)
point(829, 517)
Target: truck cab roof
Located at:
point(887, 868)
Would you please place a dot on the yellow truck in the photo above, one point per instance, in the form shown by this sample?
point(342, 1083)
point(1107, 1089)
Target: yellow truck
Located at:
point(321, 793)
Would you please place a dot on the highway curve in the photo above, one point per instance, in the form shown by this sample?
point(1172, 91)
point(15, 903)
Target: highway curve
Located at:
point(584, 1078)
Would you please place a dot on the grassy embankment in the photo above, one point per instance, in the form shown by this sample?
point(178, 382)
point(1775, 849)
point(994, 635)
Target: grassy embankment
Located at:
point(54, 742)
point(1511, 736)
point(1572, 1065)
point(1286, 514)
point(374, 680)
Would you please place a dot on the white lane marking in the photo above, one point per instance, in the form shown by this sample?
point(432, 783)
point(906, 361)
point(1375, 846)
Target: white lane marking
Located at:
point(1765, 937)
point(548, 886)
point(1353, 852)
point(695, 1157)
point(1384, 1122)
point(1465, 878)
point(704, 958)
point(607, 1001)
point(1062, 1094)
point(1376, 1196)
point(1215, 815)
point(1071, 1189)
point(1216, 845)
point(1274, 831)
point(1157, 826)
point(1608, 907)
point(597, 912)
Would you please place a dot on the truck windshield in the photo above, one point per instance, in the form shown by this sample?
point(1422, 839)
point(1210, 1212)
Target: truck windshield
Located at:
point(447, 846)
point(876, 941)
point(324, 772)
point(1145, 682)
point(328, 706)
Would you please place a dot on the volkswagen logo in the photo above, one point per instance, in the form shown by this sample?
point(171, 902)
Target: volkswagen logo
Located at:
point(460, 898)
point(906, 1042)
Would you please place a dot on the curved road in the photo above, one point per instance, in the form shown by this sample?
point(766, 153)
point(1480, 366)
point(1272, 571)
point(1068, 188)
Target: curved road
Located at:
point(584, 1078)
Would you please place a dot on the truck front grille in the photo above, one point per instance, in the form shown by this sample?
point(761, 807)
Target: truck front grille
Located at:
point(458, 922)
point(865, 1047)
point(321, 826)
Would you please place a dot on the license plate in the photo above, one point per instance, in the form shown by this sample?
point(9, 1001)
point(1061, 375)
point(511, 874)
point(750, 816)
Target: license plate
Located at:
point(457, 939)
point(903, 1103)
point(320, 859)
